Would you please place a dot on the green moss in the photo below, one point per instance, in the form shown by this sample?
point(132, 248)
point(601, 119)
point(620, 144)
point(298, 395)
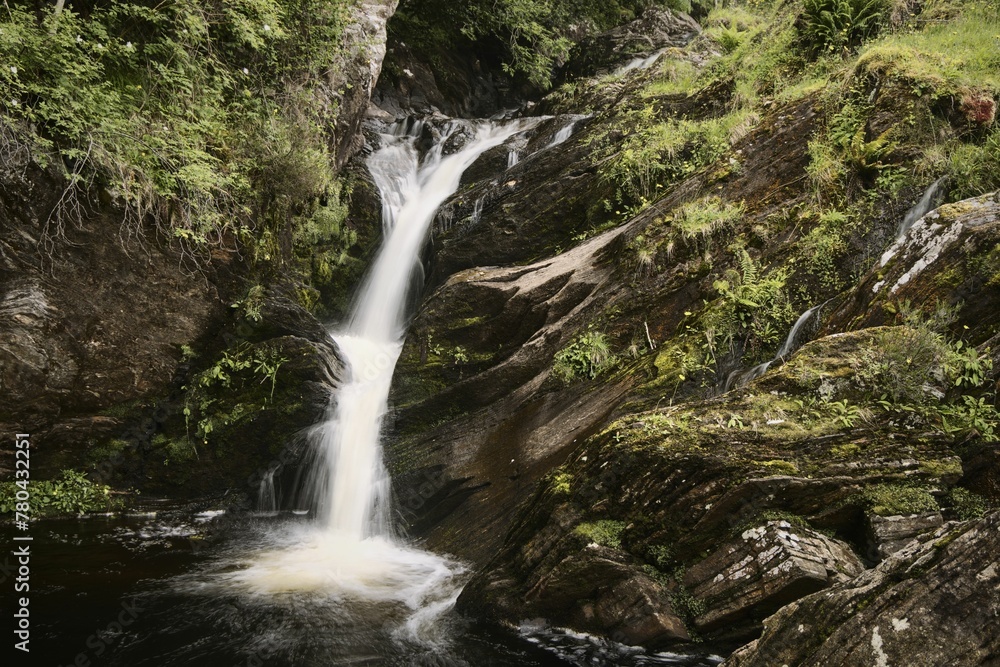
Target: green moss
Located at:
point(561, 483)
point(967, 504)
point(605, 532)
point(943, 469)
point(897, 499)
point(778, 467)
point(846, 451)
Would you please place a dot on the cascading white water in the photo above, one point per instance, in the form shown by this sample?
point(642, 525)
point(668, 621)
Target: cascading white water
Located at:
point(931, 199)
point(351, 550)
point(564, 133)
point(740, 378)
point(639, 63)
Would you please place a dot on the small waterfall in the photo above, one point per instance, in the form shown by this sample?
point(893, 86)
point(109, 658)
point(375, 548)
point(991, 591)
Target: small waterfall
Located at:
point(740, 378)
point(444, 219)
point(563, 134)
point(930, 200)
point(790, 341)
point(512, 158)
point(639, 63)
point(351, 551)
point(266, 499)
point(477, 211)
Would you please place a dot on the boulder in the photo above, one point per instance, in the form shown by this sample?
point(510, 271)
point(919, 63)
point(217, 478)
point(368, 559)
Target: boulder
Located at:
point(949, 255)
point(931, 603)
point(889, 534)
point(766, 567)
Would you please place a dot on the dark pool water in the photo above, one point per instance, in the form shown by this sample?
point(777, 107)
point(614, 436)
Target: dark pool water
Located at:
point(136, 591)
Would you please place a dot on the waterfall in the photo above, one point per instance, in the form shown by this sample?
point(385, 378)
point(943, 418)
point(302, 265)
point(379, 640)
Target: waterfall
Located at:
point(639, 63)
point(512, 158)
point(350, 489)
point(266, 498)
point(351, 550)
point(931, 199)
point(739, 378)
point(564, 133)
point(477, 210)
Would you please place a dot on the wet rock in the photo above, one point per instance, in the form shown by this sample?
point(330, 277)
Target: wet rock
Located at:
point(656, 29)
point(595, 589)
point(765, 568)
point(948, 256)
point(474, 397)
point(889, 534)
point(931, 603)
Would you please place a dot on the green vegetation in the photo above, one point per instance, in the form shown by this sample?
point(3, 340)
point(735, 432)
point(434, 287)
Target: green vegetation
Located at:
point(753, 312)
point(246, 369)
point(835, 24)
point(529, 37)
point(587, 356)
point(71, 493)
point(605, 532)
point(201, 117)
point(897, 499)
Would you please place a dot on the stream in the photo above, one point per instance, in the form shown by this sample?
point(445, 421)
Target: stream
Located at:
point(332, 584)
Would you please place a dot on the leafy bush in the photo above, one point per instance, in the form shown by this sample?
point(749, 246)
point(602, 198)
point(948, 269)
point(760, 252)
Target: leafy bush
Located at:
point(835, 24)
point(587, 356)
point(753, 313)
point(199, 114)
point(71, 493)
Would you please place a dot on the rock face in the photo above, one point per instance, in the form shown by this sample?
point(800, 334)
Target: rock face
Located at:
point(656, 29)
point(766, 567)
point(501, 385)
point(889, 534)
point(88, 327)
point(931, 603)
point(936, 253)
point(352, 80)
point(692, 502)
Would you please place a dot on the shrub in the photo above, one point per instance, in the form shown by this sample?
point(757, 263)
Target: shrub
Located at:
point(753, 313)
point(587, 356)
point(71, 493)
point(835, 24)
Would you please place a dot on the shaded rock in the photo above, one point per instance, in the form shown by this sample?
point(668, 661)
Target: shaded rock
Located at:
point(889, 534)
point(453, 82)
point(351, 81)
point(931, 603)
point(487, 418)
point(593, 590)
point(524, 213)
point(949, 255)
point(767, 567)
point(981, 470)
point(656, 29)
